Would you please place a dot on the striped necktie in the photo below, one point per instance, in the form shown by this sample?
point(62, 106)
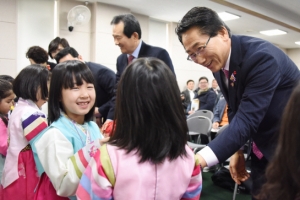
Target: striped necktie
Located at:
point(130, 58)
point(226, 72)
point(256, 151)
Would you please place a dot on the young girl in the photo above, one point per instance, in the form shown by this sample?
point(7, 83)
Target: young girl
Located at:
point(147, 156)
point(26, 121)
point(64, 149)
point(6, 102)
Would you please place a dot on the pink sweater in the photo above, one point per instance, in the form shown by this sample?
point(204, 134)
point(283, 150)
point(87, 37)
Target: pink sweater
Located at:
point(114, 174)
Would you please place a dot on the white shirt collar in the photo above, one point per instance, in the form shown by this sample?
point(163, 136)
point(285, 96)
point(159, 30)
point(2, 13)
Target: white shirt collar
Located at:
point(136, 51)
point(227, 62)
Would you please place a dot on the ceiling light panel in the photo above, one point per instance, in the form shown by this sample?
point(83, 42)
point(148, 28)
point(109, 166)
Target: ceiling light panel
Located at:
point(226, 16)
point(273, 32)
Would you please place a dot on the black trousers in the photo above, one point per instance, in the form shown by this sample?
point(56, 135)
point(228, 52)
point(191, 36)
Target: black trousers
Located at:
point(258, 168)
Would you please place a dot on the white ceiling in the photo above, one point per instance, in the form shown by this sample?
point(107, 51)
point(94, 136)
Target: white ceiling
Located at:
point(286, 11)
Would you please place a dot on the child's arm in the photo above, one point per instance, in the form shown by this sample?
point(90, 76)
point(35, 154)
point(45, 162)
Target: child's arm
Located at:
point(98, 178)
point(62, 166)
point(3, 138)
point(33, 123)
point(194, 189)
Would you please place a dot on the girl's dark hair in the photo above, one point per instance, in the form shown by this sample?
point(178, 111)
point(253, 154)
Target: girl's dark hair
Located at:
point(205, 19)
point(29, 80)
point(149, 115)
point(5, 91)
point(63, 76)
point(283, 171)
point(7, 78)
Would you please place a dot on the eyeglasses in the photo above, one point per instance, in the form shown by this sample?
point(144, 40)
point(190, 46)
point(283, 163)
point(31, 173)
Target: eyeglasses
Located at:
point(199, 51)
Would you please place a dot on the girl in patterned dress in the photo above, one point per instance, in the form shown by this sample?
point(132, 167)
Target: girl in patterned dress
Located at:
point(63, 150)
point(147, 156)
point(20, 176)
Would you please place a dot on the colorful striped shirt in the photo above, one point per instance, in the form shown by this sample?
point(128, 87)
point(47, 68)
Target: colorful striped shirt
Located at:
point(114, 174)
point(63, 154)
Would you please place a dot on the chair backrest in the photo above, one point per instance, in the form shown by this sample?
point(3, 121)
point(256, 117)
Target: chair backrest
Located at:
point(199, 125)
point(205, 113)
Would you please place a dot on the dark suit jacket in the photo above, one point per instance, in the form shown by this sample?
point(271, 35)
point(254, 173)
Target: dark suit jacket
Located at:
point(207, 100)
point(187, 97)
point(105, 80)
point(145, 51)
point(262, 78)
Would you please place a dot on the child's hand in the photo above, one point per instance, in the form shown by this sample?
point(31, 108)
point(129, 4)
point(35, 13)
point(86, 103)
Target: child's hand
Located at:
point(104, 140)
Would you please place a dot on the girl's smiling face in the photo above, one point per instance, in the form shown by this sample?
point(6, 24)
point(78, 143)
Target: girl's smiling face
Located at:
point(78, 101)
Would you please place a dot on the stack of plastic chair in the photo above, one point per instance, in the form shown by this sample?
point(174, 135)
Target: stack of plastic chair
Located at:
point(198, 125)
point(206, 113)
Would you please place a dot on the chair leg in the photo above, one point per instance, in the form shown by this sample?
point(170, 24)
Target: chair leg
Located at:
point(235, 191)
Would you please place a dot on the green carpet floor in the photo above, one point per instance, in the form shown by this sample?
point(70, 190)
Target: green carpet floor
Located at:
point(214, 192)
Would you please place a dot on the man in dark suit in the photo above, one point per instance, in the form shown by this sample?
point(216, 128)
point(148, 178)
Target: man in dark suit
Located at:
point(260, 80)
point(104, 80)
point(127, 35)
point(206, 96)
point(188, 94)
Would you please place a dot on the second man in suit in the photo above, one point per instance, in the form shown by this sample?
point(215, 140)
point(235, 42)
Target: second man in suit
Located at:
point(127, 35)
point(256, 79)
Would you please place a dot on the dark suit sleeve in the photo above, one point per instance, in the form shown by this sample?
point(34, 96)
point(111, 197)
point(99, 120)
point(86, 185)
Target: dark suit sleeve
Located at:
point(164, 56)
point(261, 79)
point(106, 80)
point(112, 104)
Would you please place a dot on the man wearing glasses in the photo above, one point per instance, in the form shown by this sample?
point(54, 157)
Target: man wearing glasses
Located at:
point(256, 79)
point(206, 96)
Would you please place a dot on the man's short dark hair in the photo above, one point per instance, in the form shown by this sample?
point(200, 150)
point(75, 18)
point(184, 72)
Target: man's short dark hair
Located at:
point(189, 81)
point(203, 78)
point(55, 43)
point(66, 51)
point(205, 19)
point(37, 54)
point(131, 24)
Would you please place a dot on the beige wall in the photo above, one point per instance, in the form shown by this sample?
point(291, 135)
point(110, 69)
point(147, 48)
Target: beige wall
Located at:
point(35, 27)
point(294, 54)
point(8, 37)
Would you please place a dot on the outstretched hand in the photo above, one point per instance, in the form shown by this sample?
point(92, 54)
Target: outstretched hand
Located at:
point(104, 140)
point(237, 167)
